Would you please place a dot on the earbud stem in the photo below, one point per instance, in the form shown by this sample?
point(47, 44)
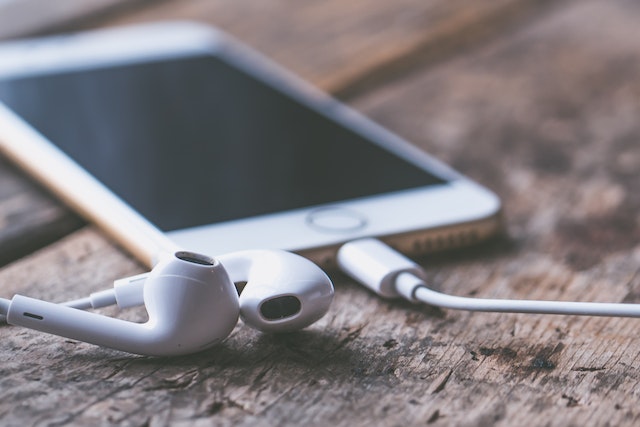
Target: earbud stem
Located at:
point(77, 324)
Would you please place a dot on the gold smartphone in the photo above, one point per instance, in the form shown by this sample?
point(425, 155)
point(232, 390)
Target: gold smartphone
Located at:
point(176, 135)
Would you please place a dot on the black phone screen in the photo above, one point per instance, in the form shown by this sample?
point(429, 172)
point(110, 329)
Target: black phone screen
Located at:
point(194, 141)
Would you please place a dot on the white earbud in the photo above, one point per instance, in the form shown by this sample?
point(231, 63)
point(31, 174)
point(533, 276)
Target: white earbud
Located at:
point(284, 291)
point(192, 303)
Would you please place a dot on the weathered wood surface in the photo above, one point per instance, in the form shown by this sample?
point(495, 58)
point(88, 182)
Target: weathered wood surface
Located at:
point(546, 115)
point(336, 44)
point(29, 217)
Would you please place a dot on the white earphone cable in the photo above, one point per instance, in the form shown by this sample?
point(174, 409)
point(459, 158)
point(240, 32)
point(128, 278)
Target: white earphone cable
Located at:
point(391, 274)
point(428, 296)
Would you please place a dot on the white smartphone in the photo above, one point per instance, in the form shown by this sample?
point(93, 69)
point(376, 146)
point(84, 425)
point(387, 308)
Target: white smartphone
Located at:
point(175, 134)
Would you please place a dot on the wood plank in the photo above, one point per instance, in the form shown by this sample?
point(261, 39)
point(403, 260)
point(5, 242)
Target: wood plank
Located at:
point(29, 217)
point(548, 118)
point(417, 364)
point(334, 44)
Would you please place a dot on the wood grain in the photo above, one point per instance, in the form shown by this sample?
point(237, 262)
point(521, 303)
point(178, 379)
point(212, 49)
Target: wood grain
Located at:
point(334, 44)
point(546, 116)
point(29, 217)
point(367, 360)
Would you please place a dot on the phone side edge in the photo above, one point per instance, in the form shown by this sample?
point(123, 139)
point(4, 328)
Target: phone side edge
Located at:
point(79, 190)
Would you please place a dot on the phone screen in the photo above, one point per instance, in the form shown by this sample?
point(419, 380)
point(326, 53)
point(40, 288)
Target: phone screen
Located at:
point(195, 141)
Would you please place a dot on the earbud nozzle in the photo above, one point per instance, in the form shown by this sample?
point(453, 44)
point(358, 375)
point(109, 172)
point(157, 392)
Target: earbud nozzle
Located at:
point(280, 307)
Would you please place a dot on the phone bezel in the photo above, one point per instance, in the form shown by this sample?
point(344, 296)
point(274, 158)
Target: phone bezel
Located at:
point(459, 201)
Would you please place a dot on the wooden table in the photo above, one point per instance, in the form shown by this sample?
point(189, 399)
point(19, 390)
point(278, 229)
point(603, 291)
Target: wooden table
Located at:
point(539, 101)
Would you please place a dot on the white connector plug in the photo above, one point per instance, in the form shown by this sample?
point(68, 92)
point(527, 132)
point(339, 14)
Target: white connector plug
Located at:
point(378, 267)
point(390, 274)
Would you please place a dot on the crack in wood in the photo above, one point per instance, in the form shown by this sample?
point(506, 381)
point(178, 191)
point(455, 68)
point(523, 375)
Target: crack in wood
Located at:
point(571, 401)
point(178, 382)
point(351, 336)
point(434, 417)
point(441, 384)
point(258, 378)
point(220, 405)
point(589, 369)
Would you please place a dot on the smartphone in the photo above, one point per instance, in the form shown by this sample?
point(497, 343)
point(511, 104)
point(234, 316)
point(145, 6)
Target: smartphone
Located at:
point(176, 135)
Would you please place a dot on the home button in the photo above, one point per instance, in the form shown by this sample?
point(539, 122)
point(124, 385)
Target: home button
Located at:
point(336, 220)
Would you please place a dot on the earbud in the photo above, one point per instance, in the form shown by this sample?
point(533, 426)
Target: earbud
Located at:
point(191, 302)
point(283, 291)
